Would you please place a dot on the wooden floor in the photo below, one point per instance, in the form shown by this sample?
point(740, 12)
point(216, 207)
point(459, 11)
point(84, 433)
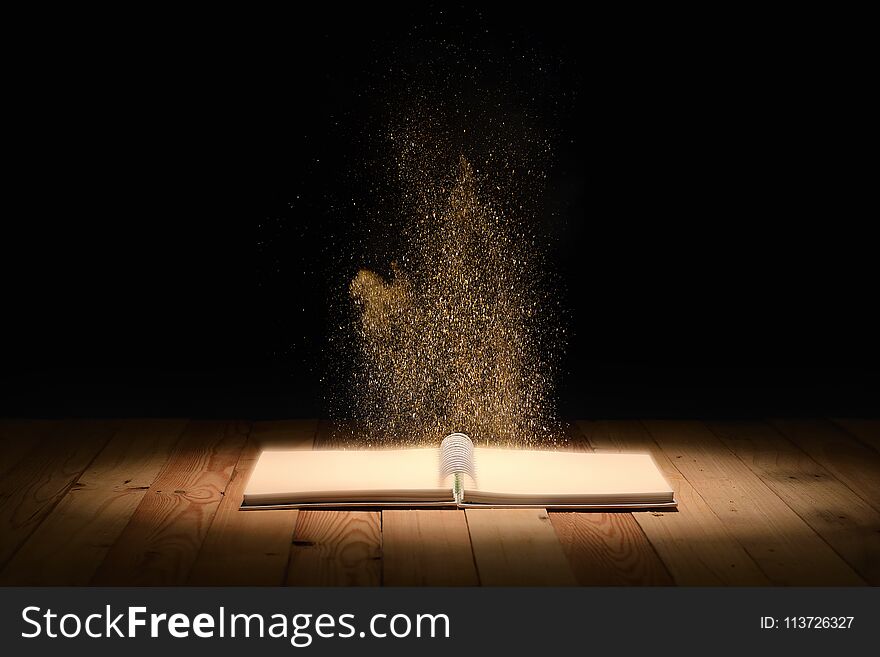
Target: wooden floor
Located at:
point(155, 502)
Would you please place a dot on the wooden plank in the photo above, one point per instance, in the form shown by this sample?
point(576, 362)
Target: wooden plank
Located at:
point(251, 548)
point(17, 438)
point(336, 548)
point(427, 547)
point(609, 549)
point(606, 549)
point(44, 475)
point(692, 542)
point(73, 540)
point(853, 463)
point(517, 547)
point(866, 431)
point(161, 541)
point(845, 521)
point(786, 549)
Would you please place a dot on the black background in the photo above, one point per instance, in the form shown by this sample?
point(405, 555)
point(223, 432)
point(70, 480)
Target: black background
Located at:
point(713, 216)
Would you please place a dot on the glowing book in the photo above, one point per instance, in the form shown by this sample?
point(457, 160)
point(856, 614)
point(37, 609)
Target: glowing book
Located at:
point(456, 474)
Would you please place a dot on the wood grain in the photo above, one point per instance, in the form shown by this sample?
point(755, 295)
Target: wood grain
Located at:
point(692, 542)
point(608, 549)
point(848, 524)
point(786, 549)
point(156, 502)
point(43, 476)
point(852, 462)
point(161, 541)
point(74, 539)
point(336, 548)
point(517, 547)
point(251, 548)
point(427, 547)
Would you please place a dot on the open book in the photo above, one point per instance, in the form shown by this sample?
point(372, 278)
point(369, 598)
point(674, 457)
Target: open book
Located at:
point(456, 474)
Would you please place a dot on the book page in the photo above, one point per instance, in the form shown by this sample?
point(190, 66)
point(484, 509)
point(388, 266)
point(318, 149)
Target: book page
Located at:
point(544, 477)
point(303, 476)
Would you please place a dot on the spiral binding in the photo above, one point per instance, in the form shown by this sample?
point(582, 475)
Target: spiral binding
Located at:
point(457, 459)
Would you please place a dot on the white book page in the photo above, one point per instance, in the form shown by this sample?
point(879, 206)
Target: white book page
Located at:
point(303, 476)
point(545, 477)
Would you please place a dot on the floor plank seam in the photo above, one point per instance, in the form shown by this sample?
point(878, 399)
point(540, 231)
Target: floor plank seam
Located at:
point(286, 577)
point(382, 548)
point(65, 493)
point(660, 560)
point(184, 576)
point(697, 491)
point(38, 444)
point(853, 435)
point(793, 509)
point(827, 473)
point(471, 545)
point(235, 424)
point(128, 522)
point(875, 504)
